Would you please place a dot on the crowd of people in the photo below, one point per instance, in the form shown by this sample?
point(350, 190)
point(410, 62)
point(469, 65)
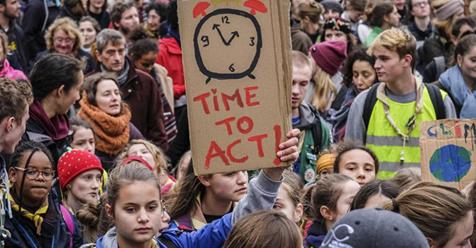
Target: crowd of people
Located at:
point(94, 134)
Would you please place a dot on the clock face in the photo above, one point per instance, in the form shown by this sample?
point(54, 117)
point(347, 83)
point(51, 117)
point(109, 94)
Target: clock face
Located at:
point(227, 44)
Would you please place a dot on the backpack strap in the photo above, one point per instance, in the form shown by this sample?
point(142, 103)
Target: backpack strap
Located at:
point(437, 101)
point(440, 64)
point(316, 130)
point(68, 219)
point(167, 242)
point(369, 104)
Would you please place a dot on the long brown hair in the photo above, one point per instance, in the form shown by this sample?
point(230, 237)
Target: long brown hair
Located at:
point(433, 208)
point(182, 200)
point(264, 229)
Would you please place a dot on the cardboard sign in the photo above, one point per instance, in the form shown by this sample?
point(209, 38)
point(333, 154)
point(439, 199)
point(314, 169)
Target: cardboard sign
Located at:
point(448, 152)
point(237, 62)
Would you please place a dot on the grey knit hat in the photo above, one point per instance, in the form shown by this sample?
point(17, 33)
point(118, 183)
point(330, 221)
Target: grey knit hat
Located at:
point(374, 228)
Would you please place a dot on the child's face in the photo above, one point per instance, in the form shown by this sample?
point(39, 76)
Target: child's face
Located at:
point(349, 190)
point(285, 205)
point(85, 187)
point(142, 151)
point(83, 139)
point(462, 231)
point(227, 186)
point(137, 213)
point(38, 178)
point(358, 165)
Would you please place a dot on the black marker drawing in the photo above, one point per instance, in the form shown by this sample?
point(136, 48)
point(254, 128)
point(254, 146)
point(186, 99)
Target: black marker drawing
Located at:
point(229, 27)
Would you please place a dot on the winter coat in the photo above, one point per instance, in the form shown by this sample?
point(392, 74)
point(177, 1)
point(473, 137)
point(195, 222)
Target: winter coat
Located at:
point(170, 57)
point(17, 54)
point(464, 99)
point(316, 137)
point(54, 232)
point(9, 72)
point(261, 195)
point(37, 17)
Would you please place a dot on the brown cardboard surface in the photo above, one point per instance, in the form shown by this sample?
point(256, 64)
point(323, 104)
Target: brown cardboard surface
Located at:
point(236, 56)
point(448, 152)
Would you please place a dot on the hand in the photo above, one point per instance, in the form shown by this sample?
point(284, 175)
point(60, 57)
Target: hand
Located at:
point(288, 153)
point(288, 150)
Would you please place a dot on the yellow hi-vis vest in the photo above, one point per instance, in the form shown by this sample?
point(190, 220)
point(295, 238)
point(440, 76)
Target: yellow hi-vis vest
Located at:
point(387, 144)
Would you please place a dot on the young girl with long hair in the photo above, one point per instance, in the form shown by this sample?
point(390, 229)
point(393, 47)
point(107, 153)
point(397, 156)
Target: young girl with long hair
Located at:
point(138, 214)
point(331, 199)
point(442, 213)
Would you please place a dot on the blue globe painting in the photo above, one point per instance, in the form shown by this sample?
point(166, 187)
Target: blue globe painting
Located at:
point(450, 163)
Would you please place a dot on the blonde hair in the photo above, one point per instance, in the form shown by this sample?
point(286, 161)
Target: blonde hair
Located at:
point(444, 26)
point(156, 152)
point(405, 178)
point(264, 229)
point(395, 40)
point(433, 208)
point(69, 27)
point(300, 59)
point(324, 90)
point(4, 42)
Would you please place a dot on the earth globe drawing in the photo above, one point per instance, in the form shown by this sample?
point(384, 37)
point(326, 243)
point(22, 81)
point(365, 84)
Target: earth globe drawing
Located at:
point(450, 163)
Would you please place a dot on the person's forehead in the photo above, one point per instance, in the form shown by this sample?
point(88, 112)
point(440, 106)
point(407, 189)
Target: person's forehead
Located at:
point(117, 45)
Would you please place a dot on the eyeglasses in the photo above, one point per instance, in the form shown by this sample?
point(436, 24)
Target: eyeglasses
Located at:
point(63, 40)
point(420, 4)
point(32, 173)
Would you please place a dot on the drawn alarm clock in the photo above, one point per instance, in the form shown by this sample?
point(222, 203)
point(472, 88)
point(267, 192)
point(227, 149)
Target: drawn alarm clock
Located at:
point(228, 44)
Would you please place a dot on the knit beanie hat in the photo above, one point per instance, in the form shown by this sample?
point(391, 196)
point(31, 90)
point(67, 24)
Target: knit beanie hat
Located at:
point(73, 163)
point(329, 55)
point(325, 161)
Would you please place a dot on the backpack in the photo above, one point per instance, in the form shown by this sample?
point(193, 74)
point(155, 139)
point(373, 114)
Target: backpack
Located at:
point(68, 219)
point(371, 99)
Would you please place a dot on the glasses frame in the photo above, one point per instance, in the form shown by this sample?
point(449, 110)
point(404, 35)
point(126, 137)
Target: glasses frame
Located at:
point(39, 172)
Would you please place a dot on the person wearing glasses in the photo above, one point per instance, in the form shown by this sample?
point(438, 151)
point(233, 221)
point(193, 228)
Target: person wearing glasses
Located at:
point(64, 37)
point(36, 219)
point(420, 24)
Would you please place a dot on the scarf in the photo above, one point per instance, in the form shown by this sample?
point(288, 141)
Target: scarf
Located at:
point(57, 128)
point(122, 75)
point(453, 81)
point(112, 131)
point(36, 217)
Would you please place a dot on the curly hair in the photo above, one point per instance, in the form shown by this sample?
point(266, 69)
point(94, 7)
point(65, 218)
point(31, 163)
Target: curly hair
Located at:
point(69, 27)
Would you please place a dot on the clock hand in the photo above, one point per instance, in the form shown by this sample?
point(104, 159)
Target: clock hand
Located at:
point(234, 34)
point(217, 28)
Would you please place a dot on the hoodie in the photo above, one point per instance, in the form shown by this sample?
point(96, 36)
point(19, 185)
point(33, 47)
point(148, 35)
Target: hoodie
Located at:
point(316, 137)
point(453, 82)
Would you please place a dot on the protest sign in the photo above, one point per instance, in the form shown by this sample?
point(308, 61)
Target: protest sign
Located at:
point(236, 57)
point(448, 152)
